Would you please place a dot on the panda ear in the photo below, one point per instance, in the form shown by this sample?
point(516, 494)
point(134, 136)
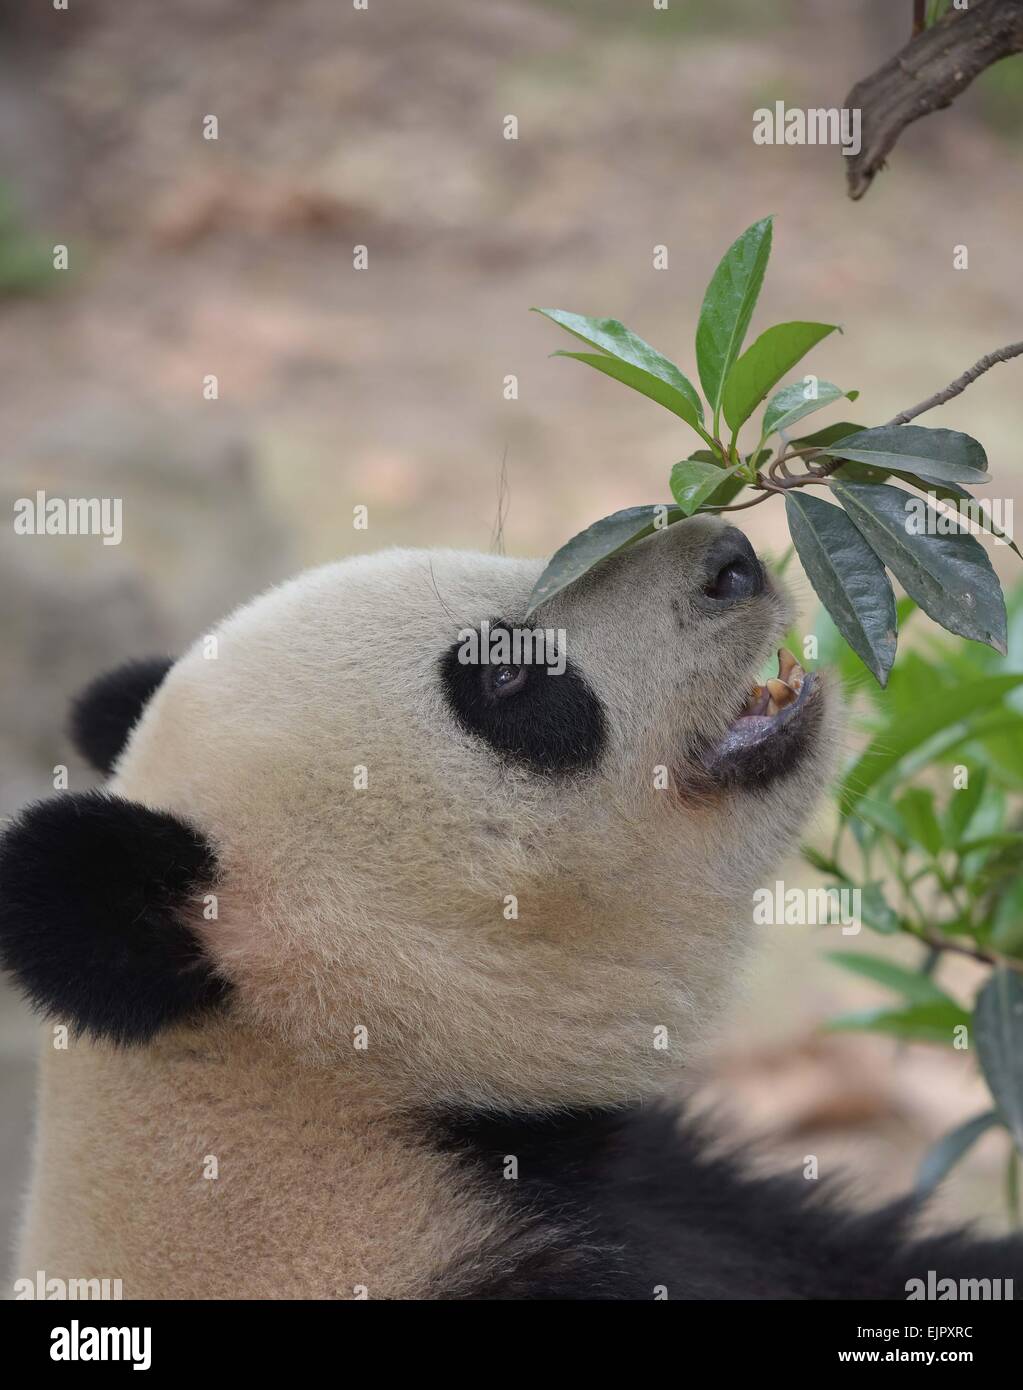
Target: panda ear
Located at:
point(94, 899)
point(107, 710)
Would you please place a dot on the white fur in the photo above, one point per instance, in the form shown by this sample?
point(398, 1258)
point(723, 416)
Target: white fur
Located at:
point(384, 909)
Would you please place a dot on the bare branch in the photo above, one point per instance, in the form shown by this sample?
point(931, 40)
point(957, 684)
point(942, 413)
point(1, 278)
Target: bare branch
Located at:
point(927, 75)
point(957, 387)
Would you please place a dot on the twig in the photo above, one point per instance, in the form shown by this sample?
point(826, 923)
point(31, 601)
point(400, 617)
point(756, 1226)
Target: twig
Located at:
point(926, 75)
point(953, 389)
point(741, 506)
point(943, 943)
point(957, 387)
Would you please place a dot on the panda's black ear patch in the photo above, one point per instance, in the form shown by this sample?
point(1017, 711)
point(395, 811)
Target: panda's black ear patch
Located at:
point(107, 710)
point(94, 896)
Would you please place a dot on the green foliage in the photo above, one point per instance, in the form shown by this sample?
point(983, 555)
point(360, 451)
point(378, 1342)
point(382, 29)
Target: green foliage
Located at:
point(26, 266)
point(934, 11)
point(999, 93)
point(847, 576)
point(930, 829)
point(846, 550)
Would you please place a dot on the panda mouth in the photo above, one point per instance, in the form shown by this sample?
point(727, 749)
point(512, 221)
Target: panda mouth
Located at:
point(772, 732)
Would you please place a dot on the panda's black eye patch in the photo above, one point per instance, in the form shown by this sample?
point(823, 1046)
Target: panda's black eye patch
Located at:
point(541, 713)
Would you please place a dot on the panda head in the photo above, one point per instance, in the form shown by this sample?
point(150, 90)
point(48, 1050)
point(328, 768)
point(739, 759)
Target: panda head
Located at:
point(353, 820)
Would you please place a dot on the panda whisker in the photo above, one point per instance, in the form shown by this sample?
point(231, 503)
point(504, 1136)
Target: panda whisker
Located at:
point(440, 600)
point(503, 498)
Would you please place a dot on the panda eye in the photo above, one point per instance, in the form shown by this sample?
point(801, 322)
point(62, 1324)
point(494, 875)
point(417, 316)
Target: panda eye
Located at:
point(503, 681)
point(527, 711)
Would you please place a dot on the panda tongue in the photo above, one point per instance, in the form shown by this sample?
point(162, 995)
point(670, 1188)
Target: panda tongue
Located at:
point(779, 691)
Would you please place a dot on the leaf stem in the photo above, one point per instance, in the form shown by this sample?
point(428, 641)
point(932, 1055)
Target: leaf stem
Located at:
point(939, 942)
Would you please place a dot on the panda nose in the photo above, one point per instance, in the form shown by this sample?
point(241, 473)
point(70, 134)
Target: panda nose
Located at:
point(732, 571)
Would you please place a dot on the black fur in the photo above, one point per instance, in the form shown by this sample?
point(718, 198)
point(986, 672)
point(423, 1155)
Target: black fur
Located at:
point(615, 1204)
point(92, 891)
point(103, 715)
point(553, 724)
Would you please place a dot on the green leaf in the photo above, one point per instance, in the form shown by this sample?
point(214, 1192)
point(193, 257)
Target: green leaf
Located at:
point(909, 731)
point(942, 1157)
point(864, 834)
point(643, 382)
point(775, 352)
point(1007, 920)
point(732, 481)
point(791, 403)
point(830, 434)
point(820, 861)
point(998, 1028)
point(1007, 839)
point(914, 987)
point(693, 482)
point(916, 807)
point(950, 577)
point(883, 816)
point(961, 807)
point(970, 509)
point(937, 455)
point(931, 1022)
point(605, 537)
point(619, 342)
point(875, 913)
point(728, 490)
point(915, 682)
point(728, 307)
point(847, 577)
point(834, 651)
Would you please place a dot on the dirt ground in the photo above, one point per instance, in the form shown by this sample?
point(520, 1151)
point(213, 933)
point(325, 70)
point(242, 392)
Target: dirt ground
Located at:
point(385, 386)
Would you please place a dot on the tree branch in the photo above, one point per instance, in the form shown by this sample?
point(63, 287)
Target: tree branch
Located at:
point(938, 942)
point(927, 75)
point(957, 387)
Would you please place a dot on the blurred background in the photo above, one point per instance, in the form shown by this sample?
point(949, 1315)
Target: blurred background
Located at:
point(386, 386)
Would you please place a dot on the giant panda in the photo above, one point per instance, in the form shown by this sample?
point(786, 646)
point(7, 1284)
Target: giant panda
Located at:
point(379, 964)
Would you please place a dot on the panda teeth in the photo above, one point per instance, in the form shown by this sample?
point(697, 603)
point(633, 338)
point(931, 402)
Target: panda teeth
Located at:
point(787, 664)
point(781, 695)
point(780, 691)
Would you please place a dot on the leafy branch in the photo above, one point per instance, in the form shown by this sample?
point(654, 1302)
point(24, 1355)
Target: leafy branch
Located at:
point(846, 550)
point(821, 472)
point(941, 869)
